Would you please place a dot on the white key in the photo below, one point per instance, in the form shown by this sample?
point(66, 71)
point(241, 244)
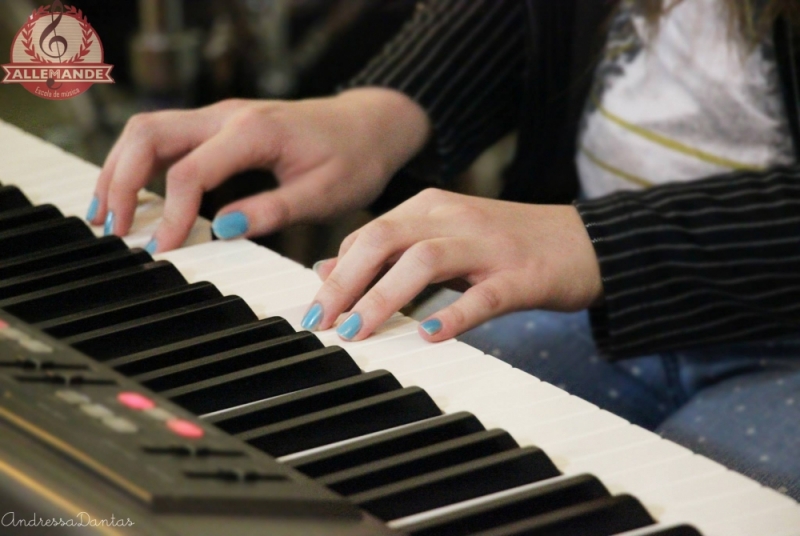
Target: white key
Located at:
point(403, 362)
point(545, 412)
point(209, 250)
point(750, 502)
point(578, 426)
point(446, 373)
point(265, 304)
point(395, 326)
point(664, 473)
point(608, 464)
point(242, 286)
point(241, 266)
point(783, 521)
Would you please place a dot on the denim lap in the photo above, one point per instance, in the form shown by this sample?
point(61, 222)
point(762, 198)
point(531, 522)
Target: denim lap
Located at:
point(737, 404)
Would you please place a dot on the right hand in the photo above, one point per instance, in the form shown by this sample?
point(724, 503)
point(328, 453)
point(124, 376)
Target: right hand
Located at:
point(330, 156)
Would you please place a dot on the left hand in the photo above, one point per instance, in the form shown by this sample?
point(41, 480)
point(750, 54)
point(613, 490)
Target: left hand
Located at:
point(515, 256)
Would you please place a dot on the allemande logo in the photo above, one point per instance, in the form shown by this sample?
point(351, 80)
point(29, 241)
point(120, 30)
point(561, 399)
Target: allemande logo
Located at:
point(57, 54)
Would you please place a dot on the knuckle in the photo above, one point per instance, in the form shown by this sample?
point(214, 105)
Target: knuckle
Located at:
point(278, 211)
point(182, 173)
point(348, 242)
point(428, 254)
point(229, 104)
point(246, 120)
point(377, 300)
point(489, 295)
point(456, 314)
point(378, 233)
point(141, 125)
point(465, 213)
point(431, 196)
point(335, 285)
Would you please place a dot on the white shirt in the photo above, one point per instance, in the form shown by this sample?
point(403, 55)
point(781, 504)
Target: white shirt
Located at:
point(682, 102)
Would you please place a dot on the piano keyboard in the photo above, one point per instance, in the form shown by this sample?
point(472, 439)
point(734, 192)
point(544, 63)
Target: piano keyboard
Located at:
point(428, 438)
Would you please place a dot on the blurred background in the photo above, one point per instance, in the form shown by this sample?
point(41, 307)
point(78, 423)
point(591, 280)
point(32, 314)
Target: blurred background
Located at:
point(182, 54)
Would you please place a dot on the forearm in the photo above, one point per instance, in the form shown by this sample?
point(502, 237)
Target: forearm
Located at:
point(709, 262)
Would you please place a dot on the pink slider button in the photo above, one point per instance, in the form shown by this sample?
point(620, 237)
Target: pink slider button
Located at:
point(135, 401)
point(185, 428)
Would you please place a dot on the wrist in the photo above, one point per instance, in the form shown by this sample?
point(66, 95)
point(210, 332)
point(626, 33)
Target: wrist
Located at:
point(396, 126)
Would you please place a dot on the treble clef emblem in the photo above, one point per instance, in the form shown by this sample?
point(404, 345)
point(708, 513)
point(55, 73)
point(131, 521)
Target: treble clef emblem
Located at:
point(59, 42)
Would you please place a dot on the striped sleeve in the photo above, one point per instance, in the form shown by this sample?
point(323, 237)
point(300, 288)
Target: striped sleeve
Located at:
point(693, 264)
point(463, 62)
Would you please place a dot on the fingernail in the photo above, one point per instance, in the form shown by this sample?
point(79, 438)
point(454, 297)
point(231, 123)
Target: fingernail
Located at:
point(151, 246)
point(350, 327)
point(313, 317)
point(317, 266)
point(91, 214)
point(231, 225)
point(432, 326)
point(109, 226)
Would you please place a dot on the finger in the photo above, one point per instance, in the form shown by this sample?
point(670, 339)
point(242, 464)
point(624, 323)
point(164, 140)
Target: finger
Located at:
point(425, 262)
point(149, 142)
point(490, 298)
point(324, 268)
point(94, 215)
point(230, 151)
point(378, 243)
point(416, 207)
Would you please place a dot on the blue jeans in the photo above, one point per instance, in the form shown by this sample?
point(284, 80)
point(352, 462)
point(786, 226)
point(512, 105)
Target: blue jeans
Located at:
point(737, 404)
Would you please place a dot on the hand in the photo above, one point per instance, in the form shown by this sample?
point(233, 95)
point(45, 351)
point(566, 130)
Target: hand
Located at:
point(330, 156)
point(515, 256)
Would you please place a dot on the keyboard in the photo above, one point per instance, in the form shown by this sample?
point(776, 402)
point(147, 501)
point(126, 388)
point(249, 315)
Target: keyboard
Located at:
point(179, 392)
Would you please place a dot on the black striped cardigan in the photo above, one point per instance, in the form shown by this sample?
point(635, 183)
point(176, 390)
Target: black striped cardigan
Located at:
point(684, 265)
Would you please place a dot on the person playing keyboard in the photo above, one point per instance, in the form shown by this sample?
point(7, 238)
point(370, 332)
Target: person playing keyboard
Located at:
point(682, 249)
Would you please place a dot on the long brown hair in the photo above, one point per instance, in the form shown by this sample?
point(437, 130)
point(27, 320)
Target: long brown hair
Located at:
point(752, 19)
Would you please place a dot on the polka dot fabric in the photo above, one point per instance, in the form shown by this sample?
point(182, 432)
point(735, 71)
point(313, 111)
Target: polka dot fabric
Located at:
point(738, 404)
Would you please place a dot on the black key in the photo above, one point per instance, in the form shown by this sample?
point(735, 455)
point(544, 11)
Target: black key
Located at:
point(601, 517)
point(682, 530)
point(71, 298)
point(205, 345)
point(233, 361)
point(119, 312)
point(20, 217)
point(351, 420)
point(388, 444)
point(419, 462)
point(473, 479)
point(58, 256)
point(164, 328)
point(12, 198)
point(273, 379)
point(304, 402)
point(43, 235)
point(511, 508)
point(68, 273)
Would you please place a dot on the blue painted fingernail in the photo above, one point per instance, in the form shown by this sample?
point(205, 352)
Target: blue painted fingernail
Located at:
point(350, 327)
point(91, 214)
point(313, 317)
point(109, 226)
point(231, 225)
point(432, 326)
point(151, 246)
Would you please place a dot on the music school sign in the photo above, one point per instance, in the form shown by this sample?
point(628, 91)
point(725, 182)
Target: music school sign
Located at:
point(57, 54)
